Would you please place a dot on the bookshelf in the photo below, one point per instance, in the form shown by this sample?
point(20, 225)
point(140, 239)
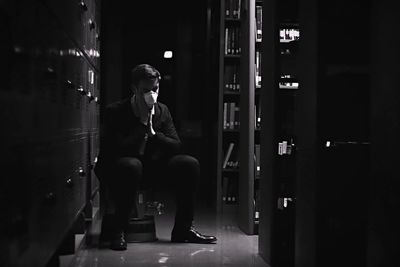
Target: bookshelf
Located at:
point(230, 81)
point(239, 116)
point(341, 75)
point(257, 111)
point(278, 133)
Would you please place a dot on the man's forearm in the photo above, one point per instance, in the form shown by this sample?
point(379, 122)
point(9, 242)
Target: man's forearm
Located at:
point(168, 142)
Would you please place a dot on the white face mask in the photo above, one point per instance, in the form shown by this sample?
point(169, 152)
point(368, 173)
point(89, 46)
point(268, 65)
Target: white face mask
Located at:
point(150, 98)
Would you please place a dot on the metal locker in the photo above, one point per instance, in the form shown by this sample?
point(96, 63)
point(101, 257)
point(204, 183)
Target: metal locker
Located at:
point(49, 134)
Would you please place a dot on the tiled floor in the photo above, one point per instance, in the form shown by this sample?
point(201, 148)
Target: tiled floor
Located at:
point(233, 248)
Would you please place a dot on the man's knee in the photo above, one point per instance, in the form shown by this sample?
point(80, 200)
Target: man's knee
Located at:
point(185, 170)
point(130, 166)
point(184, 161)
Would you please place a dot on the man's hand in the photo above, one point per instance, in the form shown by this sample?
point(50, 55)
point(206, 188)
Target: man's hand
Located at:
point(142, 108)
point(151, 131)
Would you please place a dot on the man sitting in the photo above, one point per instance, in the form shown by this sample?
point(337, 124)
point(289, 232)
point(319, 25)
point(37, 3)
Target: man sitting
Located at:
point(139, 137)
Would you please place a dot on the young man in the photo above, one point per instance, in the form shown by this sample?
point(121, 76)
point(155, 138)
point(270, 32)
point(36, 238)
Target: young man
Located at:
point(139, 140)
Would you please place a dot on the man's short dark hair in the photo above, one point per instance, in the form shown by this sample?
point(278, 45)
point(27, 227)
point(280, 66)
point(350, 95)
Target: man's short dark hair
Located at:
point(144, 72)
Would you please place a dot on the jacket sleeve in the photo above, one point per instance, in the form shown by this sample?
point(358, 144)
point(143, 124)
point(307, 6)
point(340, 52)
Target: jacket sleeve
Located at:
point(118, 140)
point(168, 137)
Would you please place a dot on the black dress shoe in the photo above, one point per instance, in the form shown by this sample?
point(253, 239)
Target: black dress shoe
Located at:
point(191, 236)
point(118, 242)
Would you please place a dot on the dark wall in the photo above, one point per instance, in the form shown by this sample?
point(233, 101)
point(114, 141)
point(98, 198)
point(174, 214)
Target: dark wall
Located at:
point(111, 52)
point(149, 30)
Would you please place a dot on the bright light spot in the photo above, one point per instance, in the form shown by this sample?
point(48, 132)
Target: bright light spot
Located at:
point(163, 260)
point(328, 143)
point(168, 54)
point(201, 250)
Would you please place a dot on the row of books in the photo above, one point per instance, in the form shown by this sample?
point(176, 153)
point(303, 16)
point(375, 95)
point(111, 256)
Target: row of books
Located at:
point(232, 40)
point(258, 69)
point(288, 35)
point(285, 147)
point(231, 77)
point(288, 81)
point(232, 9)
point(232, 74)
point(230, 194)
point(231, 158)
point(288, 85)
point(230, 183)
point(230, 190)
point(231, 116)
point(231, 113)
point(283, 84)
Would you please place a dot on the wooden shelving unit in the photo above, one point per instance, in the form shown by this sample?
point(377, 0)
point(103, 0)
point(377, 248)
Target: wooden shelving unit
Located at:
point(278, 134)
point(237, 84)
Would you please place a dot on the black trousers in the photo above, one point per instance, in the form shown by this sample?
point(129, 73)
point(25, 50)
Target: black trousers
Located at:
point(180, 173)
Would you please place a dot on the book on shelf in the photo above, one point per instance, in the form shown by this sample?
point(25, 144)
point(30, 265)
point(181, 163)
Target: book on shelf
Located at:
point(235, 78)
point(231, 158)
point(228, 154)
point(227, 9)
point(228, 74)
point(231, 116)
point(257, 204)
point(225, 116)
point(227, 43)
point(288, 85)
point(231, 77)
point(238, 8)
point(232, 40)
point(257, 159)
point(258, 23)
point(236, 114)
point(288, 82)
point(285, 147)
point(257, 114)
point(232, 9)
point(258, 69)
point(237, 41)
point(288, 35)
point(233, 162)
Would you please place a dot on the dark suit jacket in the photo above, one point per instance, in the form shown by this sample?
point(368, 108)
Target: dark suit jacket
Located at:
point(122, 135)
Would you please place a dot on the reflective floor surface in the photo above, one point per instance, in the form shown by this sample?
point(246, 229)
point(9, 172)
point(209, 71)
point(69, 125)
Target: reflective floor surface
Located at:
point(234, 248)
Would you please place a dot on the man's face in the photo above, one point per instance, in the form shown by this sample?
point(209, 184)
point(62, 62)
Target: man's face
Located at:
point(147, 86)
point(148, 90)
